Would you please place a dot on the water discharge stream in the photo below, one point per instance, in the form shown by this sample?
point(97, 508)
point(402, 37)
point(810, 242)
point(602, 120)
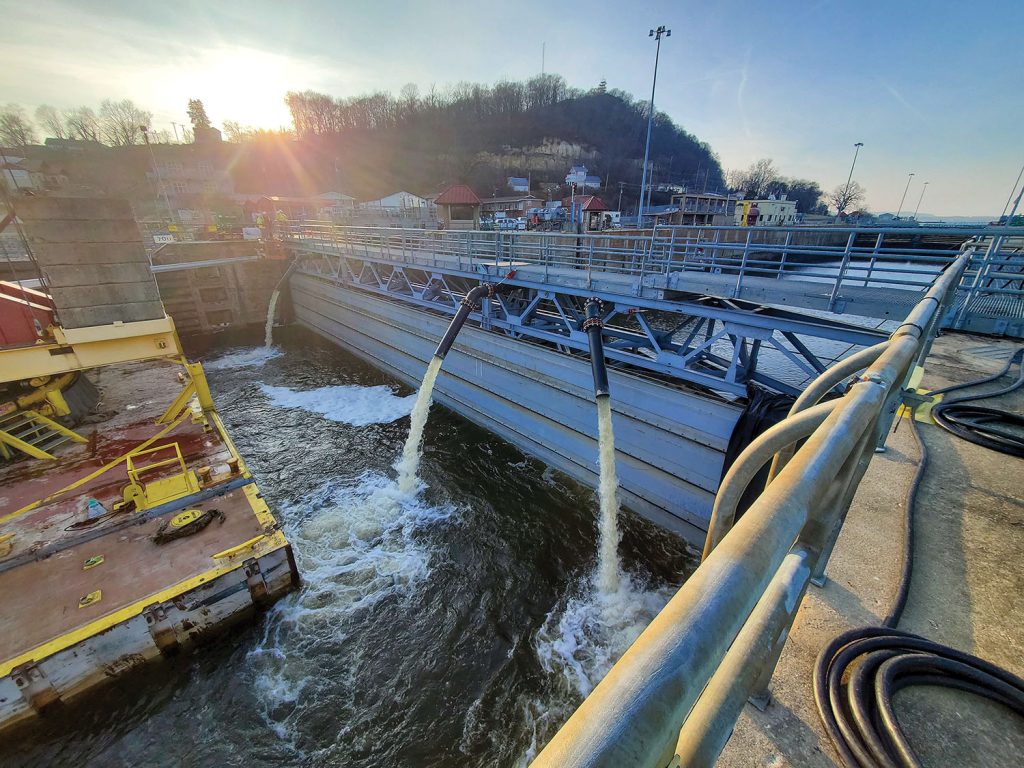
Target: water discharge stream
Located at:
point(408, 465)
point(268, 331)
point(608, 550)
point(454, 625)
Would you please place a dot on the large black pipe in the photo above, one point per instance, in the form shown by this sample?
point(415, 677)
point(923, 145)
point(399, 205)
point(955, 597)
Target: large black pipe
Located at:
point(592, 327)
point(467, 305)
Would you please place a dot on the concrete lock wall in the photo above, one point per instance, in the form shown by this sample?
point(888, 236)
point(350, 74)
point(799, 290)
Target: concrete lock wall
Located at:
point(92, 258)
point(670, 443)
point(210, 298)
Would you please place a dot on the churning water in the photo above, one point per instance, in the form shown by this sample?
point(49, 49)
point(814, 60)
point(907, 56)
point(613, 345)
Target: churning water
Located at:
point(457, 624)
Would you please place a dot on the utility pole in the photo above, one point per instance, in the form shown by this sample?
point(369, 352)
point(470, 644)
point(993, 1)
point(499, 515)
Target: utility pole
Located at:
point(156, 171)
point(919, 200)
point(543, 52)
point(174, 125)
point(656, 34)
point(906, 189)
point(849, 179)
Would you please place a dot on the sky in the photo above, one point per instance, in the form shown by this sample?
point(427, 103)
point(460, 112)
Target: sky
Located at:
point(931, 88)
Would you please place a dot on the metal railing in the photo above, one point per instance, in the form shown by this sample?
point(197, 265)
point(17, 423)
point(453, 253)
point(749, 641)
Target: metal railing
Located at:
point(674, 696)
point(907, 258)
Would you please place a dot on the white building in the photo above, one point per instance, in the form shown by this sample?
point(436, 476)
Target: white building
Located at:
point(770, 212)
point(399, 202)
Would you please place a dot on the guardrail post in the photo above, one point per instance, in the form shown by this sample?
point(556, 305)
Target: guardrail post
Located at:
point(743, 265)
point(874, 257)
point(785, 253)
point(842, 272)
point(590, 264)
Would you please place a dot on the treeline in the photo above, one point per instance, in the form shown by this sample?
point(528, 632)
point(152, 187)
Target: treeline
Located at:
point(117, 123)
point(455, 125)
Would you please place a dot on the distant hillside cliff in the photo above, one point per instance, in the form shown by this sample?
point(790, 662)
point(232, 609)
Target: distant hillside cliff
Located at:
point(479, 135)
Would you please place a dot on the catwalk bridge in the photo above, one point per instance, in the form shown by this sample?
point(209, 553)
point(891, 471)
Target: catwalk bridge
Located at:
point(693, 318)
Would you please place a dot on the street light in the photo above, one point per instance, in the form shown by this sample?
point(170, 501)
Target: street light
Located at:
point(849, 179)
point(920, 199)
point(903, 199)
point(656, 34)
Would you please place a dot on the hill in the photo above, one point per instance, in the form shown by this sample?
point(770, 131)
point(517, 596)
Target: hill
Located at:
point(375, 144)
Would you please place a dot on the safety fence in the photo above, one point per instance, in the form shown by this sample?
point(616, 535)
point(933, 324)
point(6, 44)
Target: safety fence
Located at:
point(896, 258)
point(674, 696)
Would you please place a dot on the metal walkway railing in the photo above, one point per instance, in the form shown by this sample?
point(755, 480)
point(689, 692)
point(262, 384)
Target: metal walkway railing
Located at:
point(674, 696)
point(874, 272)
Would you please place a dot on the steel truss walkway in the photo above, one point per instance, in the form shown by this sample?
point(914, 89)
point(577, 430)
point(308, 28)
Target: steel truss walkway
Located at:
point(717, 307)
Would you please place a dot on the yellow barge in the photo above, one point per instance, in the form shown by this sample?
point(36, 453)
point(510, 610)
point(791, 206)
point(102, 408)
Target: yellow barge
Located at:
point(130, 526)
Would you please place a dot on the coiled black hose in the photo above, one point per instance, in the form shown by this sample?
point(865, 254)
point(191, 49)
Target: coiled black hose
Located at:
point(879, 661)
point(982, 425)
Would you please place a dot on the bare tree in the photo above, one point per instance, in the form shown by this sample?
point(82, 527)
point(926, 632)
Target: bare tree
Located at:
point(82, 124)
point(846, 196)
point(756, 181)
point(120, 122)
point(16, 130)
point(51, 121)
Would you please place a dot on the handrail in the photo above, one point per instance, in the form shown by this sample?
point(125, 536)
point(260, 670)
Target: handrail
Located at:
point(675, 694)
point(838, 257)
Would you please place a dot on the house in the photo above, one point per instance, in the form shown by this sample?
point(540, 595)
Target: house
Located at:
point(398, 203)
point(578, 175)
point(704, 209)
point(591, 208)
point(515, 206)
point(459, 207)
point(517, 184)
point(770, 212)
point(335, 205)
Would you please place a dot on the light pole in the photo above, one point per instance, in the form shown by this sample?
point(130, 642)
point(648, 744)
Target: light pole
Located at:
point(156, 171)
point(906, 189)
point(849, 179)
point(919, 200)
point(656, 34)
point(621, 185)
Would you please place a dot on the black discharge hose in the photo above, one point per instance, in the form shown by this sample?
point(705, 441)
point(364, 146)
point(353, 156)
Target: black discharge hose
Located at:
point(878, 662)
point(982, 425)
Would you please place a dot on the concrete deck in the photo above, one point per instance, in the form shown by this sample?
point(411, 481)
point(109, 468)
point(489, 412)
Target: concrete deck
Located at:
point(967, 589)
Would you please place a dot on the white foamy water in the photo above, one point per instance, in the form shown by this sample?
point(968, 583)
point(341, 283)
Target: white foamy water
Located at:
point(244, 358)
point(608, 549)
point(581, 639)
point(345, 403)
point(408, 465)
point(355, 546)
point(268, 331)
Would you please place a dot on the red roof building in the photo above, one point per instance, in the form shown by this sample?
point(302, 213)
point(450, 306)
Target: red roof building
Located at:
point(460, 194)
point(590, 203)
point(459, 207)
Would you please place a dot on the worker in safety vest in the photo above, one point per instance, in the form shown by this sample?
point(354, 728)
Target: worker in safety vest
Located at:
point(261, 223)
point(281, 218)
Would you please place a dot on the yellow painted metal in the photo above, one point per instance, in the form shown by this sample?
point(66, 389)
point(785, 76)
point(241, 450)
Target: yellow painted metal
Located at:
point(182, 519)
point(92, 476)
point(175, 408)
point(91, 598)
point(57, 402)
point(164, 489)
point(92, 562)
point(263, 547)
point(198, 376)
point(244, 548)
point(81, 348)
point(39, 398)
point(55, 426)
point(27, 448)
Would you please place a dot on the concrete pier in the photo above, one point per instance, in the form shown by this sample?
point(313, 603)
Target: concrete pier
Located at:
point(966, 589)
